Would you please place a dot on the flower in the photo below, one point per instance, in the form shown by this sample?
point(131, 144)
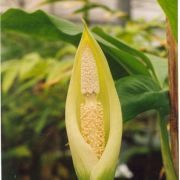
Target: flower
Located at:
point(93, 113)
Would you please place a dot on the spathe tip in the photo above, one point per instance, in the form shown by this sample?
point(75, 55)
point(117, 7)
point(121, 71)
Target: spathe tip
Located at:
point(84, 23)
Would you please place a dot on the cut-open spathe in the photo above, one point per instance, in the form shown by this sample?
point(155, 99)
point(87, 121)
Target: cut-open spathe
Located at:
point(93, 113)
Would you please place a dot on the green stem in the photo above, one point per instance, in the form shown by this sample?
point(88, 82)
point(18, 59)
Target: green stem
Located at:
point(165, 150)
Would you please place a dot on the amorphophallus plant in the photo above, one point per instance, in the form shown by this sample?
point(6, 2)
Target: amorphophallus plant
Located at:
point(93, 113)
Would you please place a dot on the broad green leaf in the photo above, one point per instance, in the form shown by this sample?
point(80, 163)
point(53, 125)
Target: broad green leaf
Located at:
point(170, 8)
point(117, 70)
point(139, 94)
point(137, 55)
point(128, 62)
point(41, 25)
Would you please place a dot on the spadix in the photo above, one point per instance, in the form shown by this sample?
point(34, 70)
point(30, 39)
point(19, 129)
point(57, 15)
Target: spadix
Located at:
point(93, 113)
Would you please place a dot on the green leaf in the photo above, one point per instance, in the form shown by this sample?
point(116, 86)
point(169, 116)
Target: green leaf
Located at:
point(128, 62)
point(117, 70)
point(9, 76)
point(139, 94)
point(41, 25)
point(137, 55)
point(7, 64)
point(64, 51)
point(58, 71)
point(37, 71)
point(170, 8)
point(27, 64)
point(160, 66)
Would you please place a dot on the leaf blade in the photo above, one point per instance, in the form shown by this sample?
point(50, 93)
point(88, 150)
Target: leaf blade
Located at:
point(41, 25)
point(171, 11)
point(139, 94)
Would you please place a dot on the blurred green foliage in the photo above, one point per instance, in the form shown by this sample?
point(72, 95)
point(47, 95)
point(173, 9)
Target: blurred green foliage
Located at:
point(35, 76)
point(34, 87)
point(145, 36)
point(13, 46)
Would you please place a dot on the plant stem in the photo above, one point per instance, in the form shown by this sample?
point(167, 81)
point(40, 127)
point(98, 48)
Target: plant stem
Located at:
point(165, 150)
point(173, 88)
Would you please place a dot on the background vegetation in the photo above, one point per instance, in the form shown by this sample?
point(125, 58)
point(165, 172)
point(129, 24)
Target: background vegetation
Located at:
point(36, 67)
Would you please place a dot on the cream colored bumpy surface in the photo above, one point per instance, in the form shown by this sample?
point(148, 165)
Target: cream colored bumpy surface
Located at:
point(91, 111)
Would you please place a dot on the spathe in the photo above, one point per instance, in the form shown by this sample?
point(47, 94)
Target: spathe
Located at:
point(87, 165)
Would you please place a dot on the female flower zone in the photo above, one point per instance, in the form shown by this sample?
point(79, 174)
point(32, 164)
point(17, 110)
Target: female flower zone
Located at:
point(93, 113)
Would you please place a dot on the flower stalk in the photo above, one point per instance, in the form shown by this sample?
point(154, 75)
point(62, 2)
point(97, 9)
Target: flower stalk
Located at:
point(165, 149)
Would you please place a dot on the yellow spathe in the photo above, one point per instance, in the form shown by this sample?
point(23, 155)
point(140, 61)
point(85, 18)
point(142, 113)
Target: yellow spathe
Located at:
point(93, 113)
